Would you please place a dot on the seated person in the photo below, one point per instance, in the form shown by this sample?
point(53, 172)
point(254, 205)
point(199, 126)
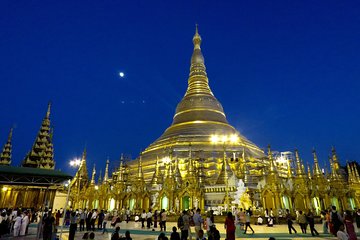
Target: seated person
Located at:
point(260, 221)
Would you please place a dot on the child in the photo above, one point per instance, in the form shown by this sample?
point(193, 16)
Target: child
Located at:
point(174, 235)
point(201, 235)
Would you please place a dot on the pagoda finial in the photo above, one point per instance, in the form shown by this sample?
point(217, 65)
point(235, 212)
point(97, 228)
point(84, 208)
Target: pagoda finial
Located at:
point(106, 175)
point(100, 179)
point(272, 163)
point(299, 166)
point(196, 38)
point(5, 156)
point(351, 174)
point(356, 172)
point(335, 160)
point(317, 171)
point(140, 171)
point(48, 110)
point(309, 171)
point(93, 176)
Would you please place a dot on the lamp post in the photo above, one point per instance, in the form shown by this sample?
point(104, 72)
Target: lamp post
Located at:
point(73, 163)
point(225, 140)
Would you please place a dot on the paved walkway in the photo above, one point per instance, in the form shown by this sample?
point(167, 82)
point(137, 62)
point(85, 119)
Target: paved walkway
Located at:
point(280, 232)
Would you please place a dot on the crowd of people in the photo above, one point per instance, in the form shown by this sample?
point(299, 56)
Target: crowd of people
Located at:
point(16, 221)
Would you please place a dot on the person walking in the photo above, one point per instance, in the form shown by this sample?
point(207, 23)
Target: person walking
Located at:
point(335, 220)
point(163, 220)
point(106, 220)
point(174, 235)
point(156, 216)
point(230, 226)
point(24, 223)
point(88, 220)
point(357, 219)
point(82, 220)
point(93, 219)
point(349, 224)
point(149, 219)
point(127, 212)
point(73, 226)
point(311, 221)
point(186, 225)
point(247, 221)
point(143, 218)
point(197, 222)
point(100, 219)
point(17, 224)
point(323, 221)
point(289, 221)
point(302, 221)
point(48, 226)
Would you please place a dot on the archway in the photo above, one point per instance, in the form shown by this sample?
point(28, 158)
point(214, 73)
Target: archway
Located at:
point(286, 202)
point(132, 204)
point(185, 202)
point(268, 200)
point(317, 205)
point(164, 203)
point(146, 202)
point(335, 202)
point(299, 202)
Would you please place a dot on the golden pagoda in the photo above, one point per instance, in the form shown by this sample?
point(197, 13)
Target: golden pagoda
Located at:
point(5, 156)
point(199, 125)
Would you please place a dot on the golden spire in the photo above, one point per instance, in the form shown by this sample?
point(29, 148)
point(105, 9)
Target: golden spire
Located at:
point(299, 166)
point(93, 176)
point(157, 178)
point(335, 159)
point(333, 174)
point(177, 173)
point(309, 171)
point(272, 163)
point(356, 172)
point(351, 174)
point(317, 171)
point(106, 175)
point(41, 154)
point(5, 156)
point(289, 173)
point(121, 169)
point(100, 179)
point(140, 170)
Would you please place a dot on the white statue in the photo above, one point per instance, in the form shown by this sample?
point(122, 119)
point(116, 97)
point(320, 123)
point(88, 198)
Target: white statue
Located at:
point(239, 192)
point(196, 203)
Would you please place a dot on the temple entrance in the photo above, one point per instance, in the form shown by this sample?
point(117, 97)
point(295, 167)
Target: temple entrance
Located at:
point(268, 200)
point(185, 202)
point(112, 204)
point(165, 203)
point(352, 203)
point(316, 205)
point(146, 203)
point(335, 202)
point(132, 204)
point(286, 202)
point(299, 202)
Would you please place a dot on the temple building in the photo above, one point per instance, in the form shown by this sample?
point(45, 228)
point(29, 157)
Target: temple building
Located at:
point(35, 182)
point(202, 161)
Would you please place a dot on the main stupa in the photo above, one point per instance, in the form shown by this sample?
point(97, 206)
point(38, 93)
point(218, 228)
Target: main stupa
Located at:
point(200, 131)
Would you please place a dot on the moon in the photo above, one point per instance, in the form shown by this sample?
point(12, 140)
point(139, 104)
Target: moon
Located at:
point(121, 74)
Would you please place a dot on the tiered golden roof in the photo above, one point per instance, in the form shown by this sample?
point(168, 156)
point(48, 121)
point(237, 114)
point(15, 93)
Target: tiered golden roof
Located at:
point(42, 153)
point(5, 156)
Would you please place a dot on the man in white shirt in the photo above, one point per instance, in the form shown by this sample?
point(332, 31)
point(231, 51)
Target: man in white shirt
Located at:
point(149, 219)
point(93, 219)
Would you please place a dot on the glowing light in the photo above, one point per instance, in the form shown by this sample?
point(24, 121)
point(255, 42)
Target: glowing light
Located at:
point(224, 138)
point(75, 162)
point(4, 189)
point(121, 74)
point(234, 138)
point(96, 187)
point(166, 160)
point(214, 138)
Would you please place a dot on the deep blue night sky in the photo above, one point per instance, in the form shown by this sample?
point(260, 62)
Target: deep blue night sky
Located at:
point(286, 72)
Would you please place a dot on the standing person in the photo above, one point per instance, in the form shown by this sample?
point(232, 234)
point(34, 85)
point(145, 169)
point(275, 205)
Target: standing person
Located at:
point(230, 226)
point(73, 226)
point(247, 223)
point(57, 217)
point(208, 223)
point(357, 219)
point(149, 219)
point(100, 219)
point(88, 220)
point(106, 220)
point(310, 219)
point(197, 222)
point(266, 215)
point(143, 218)
point(302, 221)
point(289, 221)
point(82, 220)
point(24, 224)
point(341, 234)
point(17, 224)
point(115, 235)
point(336, 220)
point(163, 220)
point(93, 219)
point(48, 226)
point(156, 215)
point(127, 212)
point(323, 220)
point(186, 226)
point(174, 235)
point(349, 224)
point(242, 219)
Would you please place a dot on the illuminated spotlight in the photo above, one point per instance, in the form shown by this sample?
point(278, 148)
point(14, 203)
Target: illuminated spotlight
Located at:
point(214, 138)
point(121, 74)
point(234, 138)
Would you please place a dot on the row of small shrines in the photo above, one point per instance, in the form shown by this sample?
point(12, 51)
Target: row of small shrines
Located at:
point(300, 190)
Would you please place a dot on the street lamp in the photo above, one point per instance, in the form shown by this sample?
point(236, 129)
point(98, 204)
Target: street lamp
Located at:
point(73, 163)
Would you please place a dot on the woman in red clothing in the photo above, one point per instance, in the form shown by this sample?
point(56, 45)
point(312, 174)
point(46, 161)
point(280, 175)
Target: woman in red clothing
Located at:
point(230, 227)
